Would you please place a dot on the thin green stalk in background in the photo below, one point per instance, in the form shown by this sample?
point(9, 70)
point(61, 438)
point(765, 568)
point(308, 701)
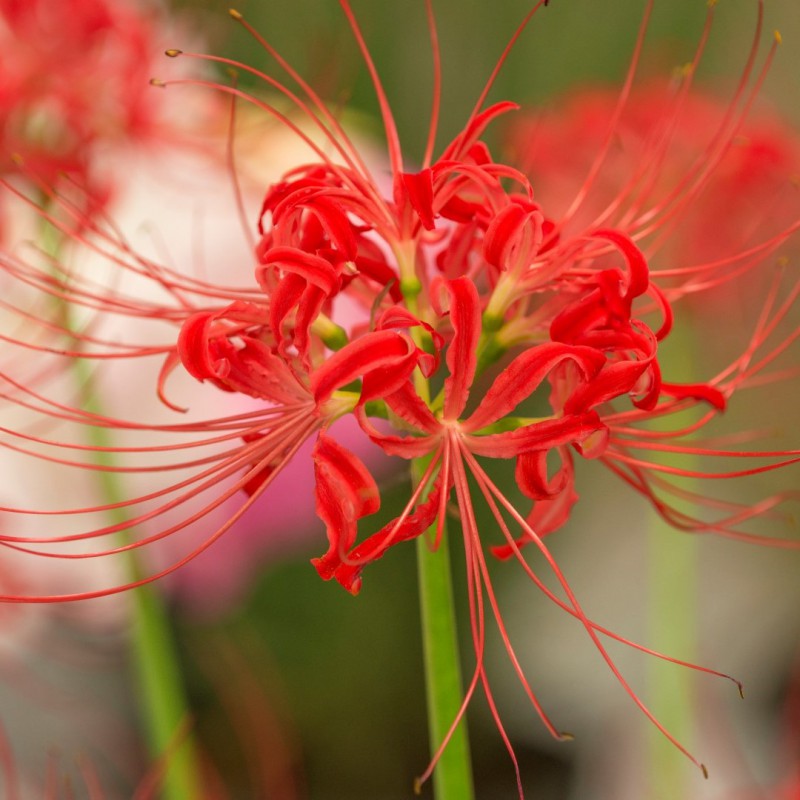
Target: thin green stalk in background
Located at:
point(163, 704)
point(672, 623)
point(672, 603)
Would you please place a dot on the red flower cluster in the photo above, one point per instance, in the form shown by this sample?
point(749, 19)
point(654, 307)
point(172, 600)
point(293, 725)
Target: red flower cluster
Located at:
point(458, 320)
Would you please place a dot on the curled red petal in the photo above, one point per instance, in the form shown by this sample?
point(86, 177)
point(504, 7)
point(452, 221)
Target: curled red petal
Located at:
point(312, 268)
point(348, 572)
point(308, 310)
point(570, 324)
point(531, 476)
point(399, 317)
point(419, 191)
point(462, 360)
point(513, 235)
point(248, 366)
point(193, 346)
point(523, 376)
point(345, 491)
point(283, 300)
point(383, 381)
point(615, 380)
point(336, 223)
point(638, 271)
point(544, 435)
point(378, 350)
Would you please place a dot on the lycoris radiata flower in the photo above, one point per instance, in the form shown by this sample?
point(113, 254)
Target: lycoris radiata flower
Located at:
point(480, 325)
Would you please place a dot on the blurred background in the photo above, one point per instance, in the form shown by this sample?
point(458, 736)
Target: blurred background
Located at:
point(302, 691)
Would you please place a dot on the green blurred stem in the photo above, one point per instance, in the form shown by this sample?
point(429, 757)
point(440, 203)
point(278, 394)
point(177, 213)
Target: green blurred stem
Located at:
point(452, 778)
point(672, 609)
point(162, 696)
point(163, 704)
point(672, 619)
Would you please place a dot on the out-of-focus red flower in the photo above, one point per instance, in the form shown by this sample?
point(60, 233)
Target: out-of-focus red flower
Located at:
point(75, 81)
point(486, 326)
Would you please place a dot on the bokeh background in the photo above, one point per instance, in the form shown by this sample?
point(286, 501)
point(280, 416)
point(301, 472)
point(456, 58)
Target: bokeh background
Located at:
point(301, 691)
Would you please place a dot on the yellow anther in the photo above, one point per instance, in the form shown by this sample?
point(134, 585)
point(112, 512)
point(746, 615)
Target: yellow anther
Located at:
point(235, 14)
point(778, 37)
point(157, 82)
point(172, 52)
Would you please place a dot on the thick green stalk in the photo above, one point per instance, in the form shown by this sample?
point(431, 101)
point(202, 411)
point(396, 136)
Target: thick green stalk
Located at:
point(452, 778)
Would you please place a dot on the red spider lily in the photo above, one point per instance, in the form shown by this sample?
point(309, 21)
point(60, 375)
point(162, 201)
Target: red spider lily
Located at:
point(459, 267)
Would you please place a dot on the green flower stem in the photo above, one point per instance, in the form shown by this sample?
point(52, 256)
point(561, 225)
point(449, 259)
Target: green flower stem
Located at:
point(672, 603)
point(672, 623)
point(452, 778)
point(163, 704)
point(162, 697)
